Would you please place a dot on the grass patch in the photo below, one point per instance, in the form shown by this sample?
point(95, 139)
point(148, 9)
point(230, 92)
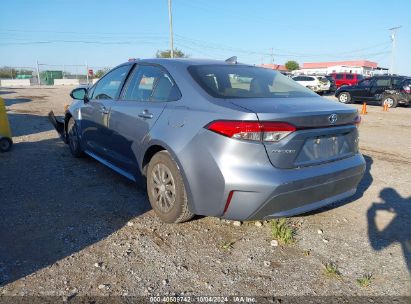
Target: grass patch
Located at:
point(307, 252)
point(365, 280)
point(331, 270)
point(282, 231)
point(229, 245)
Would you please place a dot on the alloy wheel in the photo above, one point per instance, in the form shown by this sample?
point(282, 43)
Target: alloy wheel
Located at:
point(343, 98)
point(164, 188)
point(389, 101)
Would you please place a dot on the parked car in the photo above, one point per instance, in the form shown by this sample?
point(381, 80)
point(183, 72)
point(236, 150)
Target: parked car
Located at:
point(333, 86)
point(208, 144)
point(389, 89)
point(317, 84)
point(344, 79)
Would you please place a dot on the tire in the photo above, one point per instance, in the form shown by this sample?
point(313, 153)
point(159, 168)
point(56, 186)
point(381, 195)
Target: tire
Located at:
point(73, 139)
point(344, 97)
point(391, 100)
point(166, 190)
point(5, 144)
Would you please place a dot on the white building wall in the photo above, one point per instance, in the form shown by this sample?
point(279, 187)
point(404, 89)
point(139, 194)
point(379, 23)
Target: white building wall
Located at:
point(68, 82)
point(15, 83)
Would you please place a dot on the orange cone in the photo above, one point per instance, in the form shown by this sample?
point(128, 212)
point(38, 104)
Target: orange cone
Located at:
point(385, 107)
point(364, 108)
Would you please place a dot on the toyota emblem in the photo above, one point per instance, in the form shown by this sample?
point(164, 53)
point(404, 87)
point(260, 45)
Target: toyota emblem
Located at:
point(332, 118)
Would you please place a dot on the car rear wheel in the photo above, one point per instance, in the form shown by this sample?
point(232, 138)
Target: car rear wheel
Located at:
point(73, 138)
point(390, 100)
point(344, 97)
point(166, 190)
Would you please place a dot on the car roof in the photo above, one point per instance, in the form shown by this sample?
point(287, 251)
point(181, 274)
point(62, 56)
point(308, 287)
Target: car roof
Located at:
point(187, 62)
point(393, 76)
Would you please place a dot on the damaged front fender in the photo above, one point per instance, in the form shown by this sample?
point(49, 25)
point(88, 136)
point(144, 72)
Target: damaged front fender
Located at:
point(59, 125)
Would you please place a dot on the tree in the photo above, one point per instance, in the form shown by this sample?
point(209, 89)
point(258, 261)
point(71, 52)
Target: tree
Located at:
point(292, 65)
point(100, 73)
point(167, 54)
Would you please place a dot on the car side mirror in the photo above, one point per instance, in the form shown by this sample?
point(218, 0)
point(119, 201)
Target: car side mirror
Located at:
point(79, 94)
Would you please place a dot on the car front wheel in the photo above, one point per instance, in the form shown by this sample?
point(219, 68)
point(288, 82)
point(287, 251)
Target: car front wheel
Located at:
point(390, 100)
point(73, 138)
point(344, 97)
point(166, 190)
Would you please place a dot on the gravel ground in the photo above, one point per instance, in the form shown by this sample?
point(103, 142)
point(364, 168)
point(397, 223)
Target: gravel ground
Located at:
point(73, 227)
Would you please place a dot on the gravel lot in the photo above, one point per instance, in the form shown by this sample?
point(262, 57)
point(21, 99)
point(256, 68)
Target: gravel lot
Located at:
point(74, 227)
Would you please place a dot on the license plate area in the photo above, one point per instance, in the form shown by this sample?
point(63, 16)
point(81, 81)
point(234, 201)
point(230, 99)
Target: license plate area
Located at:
point(324, 148)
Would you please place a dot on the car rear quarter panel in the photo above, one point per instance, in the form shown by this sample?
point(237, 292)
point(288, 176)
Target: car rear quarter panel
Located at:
point(199, 153)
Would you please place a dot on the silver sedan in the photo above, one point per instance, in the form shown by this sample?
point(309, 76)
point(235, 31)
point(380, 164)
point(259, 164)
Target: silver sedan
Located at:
point(217, 138)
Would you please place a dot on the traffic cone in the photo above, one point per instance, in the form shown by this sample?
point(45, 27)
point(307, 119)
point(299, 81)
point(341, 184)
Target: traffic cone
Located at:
point(364, 108)
point(385, 107)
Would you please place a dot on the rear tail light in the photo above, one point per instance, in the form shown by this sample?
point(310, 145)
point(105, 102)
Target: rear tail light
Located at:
point(407, 89)
point(252, 130)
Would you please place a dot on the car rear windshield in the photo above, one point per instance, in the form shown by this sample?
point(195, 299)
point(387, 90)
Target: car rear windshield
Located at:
point(241, 81)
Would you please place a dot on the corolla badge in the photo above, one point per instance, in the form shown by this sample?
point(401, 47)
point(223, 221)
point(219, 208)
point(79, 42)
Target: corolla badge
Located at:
point(332, 118)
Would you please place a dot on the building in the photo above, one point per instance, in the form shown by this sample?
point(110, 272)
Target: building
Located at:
point(277, 67)
point(364, 67)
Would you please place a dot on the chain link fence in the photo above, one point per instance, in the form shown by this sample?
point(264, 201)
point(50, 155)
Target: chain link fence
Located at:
point(53, 74)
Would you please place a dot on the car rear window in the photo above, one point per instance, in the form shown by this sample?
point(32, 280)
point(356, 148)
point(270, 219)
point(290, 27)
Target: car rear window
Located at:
point(241, 81)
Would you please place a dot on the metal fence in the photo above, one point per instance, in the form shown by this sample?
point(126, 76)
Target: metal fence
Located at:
point(45, 74)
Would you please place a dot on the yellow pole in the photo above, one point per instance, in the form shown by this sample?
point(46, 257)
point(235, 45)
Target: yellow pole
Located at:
point(4, 122)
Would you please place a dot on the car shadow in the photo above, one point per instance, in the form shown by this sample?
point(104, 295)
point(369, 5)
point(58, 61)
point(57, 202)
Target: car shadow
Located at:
point(399, 228)
point(364, 184)
point(53, 205)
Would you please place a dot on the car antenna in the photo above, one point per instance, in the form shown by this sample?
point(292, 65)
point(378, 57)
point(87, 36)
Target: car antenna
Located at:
point(232, 60)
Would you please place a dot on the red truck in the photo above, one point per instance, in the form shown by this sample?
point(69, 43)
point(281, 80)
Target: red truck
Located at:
point(346, 79)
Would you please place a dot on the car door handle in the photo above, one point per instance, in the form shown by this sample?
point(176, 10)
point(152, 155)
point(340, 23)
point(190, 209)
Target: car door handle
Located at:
point(104, 110)
point(145, 114)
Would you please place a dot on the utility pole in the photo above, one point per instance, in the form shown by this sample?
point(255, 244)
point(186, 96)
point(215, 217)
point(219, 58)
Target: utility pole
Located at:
point(38, 73)
point(393, 37)
point(87, 72)
point(170, 19)
point(272, 55)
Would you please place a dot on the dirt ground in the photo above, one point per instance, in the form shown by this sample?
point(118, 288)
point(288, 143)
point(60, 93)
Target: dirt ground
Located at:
point(74, 227)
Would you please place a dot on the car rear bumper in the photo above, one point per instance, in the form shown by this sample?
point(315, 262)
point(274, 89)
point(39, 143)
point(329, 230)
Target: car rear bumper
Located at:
point(290, 192)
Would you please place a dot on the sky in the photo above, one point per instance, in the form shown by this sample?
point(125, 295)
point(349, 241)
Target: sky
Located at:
point(104, 33)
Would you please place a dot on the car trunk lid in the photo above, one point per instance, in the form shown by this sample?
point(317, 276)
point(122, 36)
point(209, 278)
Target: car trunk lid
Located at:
point(325, 132)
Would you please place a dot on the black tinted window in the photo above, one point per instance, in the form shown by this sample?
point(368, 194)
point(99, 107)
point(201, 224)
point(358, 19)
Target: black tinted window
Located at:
point(397, 81)
point(151, 83)
point(349, 76)
point(240, 81)
point(109, 86)
point(339, 76)
point(365, 82)
point(382, 82)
